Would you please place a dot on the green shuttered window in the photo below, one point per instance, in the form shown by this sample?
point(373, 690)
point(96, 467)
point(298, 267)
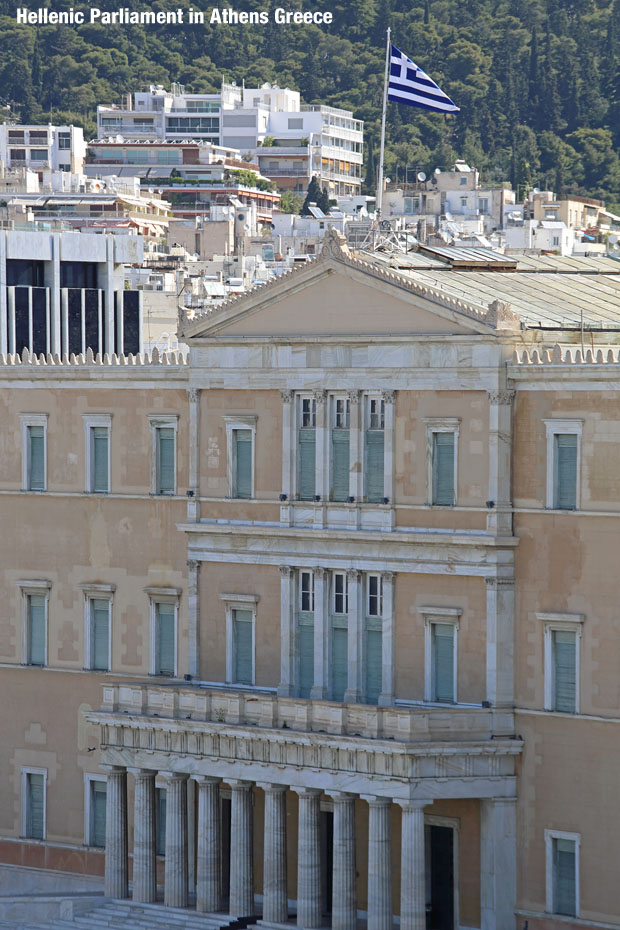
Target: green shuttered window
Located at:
point(340, 464)
point(564, 877)
point(564, 671)
point(165, 460)
point(374, 656)
point(36, 458)
point(100, 633)
point(242, 463)
point(99, 479)
point(374, 466)
point(98, 792)
point(339, 662)
point(565, 483)
point(36, 629)
point(443, 469)
point(243, 651)
point(166, 639)
point(307, 464)
point(35, 804)
point(442, 662)
point(306, 656)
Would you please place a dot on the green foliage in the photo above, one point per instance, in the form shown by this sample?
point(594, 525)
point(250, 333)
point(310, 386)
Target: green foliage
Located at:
point(290, 202)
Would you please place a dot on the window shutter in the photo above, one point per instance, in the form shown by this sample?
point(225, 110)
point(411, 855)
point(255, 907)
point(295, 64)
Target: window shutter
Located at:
point(564, 869)
point(100, 459)
point(36, 439)
point(307, 464)
point(566, 472)
point(374, 465)
point(564, 662)
point(160, 817)
point(374, 661)
point(340, 464)
point(165, 461)
point(34, 824)
point(100, 633)
point(339, 663)
point(243, 463)
point(443, 469)
point(306, 659)
point(36, 632)
point(443, 662)
point(98, 809)
point(242, 636)
point(165, 639)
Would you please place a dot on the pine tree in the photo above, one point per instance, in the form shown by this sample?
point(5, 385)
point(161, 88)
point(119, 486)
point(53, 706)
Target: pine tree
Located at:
point(534, 77)
point(313, 196)
point(323, 202)
point(427, 12)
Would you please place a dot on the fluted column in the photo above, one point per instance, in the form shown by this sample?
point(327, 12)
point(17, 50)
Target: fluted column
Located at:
point(275, 901)
point(144, 836)
point(176, 888)
point(344, 906)
point(241, 850)
point(379, 864)
point(412, 868)
point(209, 865)
point(116, 863)
point(309, 903)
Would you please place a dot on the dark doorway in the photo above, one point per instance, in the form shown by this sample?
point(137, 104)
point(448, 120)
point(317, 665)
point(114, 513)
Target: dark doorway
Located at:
point(441, 915)
point(225, 834)
point(327, 859)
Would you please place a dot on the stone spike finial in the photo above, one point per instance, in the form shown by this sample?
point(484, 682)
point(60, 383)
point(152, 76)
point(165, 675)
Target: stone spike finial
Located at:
point(155, 360)
point(114, 359)
point(90, 358)
point(535, 357)
point(599, 356)
point(98, 359)
point(546, 357)
point(579, 357)
point(611, 358)
point(106, 358)
point(25, 356)
point(123, 359)
point(589, 357)
point(73, 359)
point(556, 358)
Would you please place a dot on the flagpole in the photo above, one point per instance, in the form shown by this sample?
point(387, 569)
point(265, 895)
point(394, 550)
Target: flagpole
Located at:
point(379, 199)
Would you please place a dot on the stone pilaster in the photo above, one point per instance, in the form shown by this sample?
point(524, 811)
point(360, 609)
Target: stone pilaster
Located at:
point(322, 445)
point(320, 688)
point(176, 889)
point(386, 698)
point(498, 863)
point(379, 864)
point(193, 617)
point(144, 837)
point(388, 445)
point(193, 499)
point(209, 854)
point(309, 903)
point(116, 882)
point(275, 901)
point(500, 641)
point(288, 444)
point(241, 850)
point(356, 446)
point(355, 634)
point(286, 687)
point(499, 515)
point(344, 907)
point(412, 868)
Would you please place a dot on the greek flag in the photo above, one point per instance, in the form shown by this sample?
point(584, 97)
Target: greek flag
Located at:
point(409, 84)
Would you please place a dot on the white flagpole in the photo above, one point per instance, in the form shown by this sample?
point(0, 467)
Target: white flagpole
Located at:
point(379, 199)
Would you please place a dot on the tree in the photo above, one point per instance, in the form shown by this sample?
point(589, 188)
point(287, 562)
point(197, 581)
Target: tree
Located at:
point(313, 196)
point(290, 202)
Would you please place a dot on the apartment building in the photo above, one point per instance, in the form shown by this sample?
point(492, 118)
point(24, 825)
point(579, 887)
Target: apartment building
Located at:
point(332, 616)
point(61, 148)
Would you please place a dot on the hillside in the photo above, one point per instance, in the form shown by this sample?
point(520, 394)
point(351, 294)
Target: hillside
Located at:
point(538, 81)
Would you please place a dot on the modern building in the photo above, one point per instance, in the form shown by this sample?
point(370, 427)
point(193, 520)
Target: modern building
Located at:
point(61, 148)
point(322, 625)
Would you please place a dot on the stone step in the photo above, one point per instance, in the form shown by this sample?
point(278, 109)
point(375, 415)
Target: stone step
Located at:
point(121, 915)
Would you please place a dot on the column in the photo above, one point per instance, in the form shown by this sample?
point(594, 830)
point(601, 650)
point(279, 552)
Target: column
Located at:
point(322, 445)
point(309, 902)
point(356, 446)
point(500, 641)
point(344, 906)
point(412, 868)
point(275, 900)
point(499, 515)
point(320, 689)
point(241, 850)
point(193, 618)
point(388, 398)
point(498, 863)
point(193, 502)
point(176, 887)
point(287, 631)
point(386, 698)
point(288, 444)
point(144, 837)
point(116, 865)
point(355, 637)
point(379, 863)
point(209, 865)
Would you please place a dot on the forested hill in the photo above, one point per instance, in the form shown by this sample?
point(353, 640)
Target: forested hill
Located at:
point(538, 81)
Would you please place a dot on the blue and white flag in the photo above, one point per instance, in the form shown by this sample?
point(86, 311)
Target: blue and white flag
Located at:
point(409, 84)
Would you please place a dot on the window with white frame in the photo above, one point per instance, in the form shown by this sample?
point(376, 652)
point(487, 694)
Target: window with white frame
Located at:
point(374, 449)
point(163, 454)
point(339, 635)
point(240, 637)
point(340, 448)
point(305, 632)
point(97, 448)
point(373, 646)
point(562, 634)
point(306, 439)
point(240, 440)
point(164, 609)
point(563, 463)
point(562, 872)
point(441, 625)
point(34, 451)
point(95, 793)
point(33, 815)
point(98, 626)
point(442, 458)
point(35, 604)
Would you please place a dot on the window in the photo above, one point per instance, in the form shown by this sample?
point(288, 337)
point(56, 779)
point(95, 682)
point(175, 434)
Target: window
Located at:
point(33, 803)
point(95, 792)
point(295, 123)
point(374, 596)
point(462, 181)
point(39, 154)
point(35, 625)
point(240, 438)
point(441, 451)
point(563, 463)
point(562, 872)
point(97, 438)
point(34, 451)
point(160, 821)
point(375, 449)
point(163, 454)
point(240, 637)
point(307, 449)
point(562, 638)
point(64, 140)
point(483, 204)
point(340, 636)
point(340, 449)
point(97, 626)
point(305, 633)
point(440, 634)
point(164, 605)
point(374, 638)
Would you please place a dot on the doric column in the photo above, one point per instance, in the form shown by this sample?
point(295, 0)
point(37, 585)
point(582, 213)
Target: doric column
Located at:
point(116, 863)
point(356, 445)
point(344, 907)
point(193, 503)
point(500, 641)
point(193, 617)
point(275, 901)
point(388, 398)
point(379, 863)
point(209, 864)
point(320, 688)
point(499, 515)
point(176, 882)
point(286, 687)
point(386, 698)
point(309, 903)
point(355, 637)
point(412, 869)
point(498, 863)
point(241, 850)
point(322, 445)
point(144, 836)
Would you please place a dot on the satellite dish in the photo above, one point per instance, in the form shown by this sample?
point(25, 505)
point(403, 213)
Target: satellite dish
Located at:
point(241, 217)
point(437, 170)
point(421, 176)
point(385, 225)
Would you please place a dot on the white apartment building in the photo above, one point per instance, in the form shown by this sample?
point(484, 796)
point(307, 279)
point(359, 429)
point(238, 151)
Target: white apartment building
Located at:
point(61, 148)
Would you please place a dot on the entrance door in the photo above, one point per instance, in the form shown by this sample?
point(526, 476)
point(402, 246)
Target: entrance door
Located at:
point(327, 859)
point(441, 915)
